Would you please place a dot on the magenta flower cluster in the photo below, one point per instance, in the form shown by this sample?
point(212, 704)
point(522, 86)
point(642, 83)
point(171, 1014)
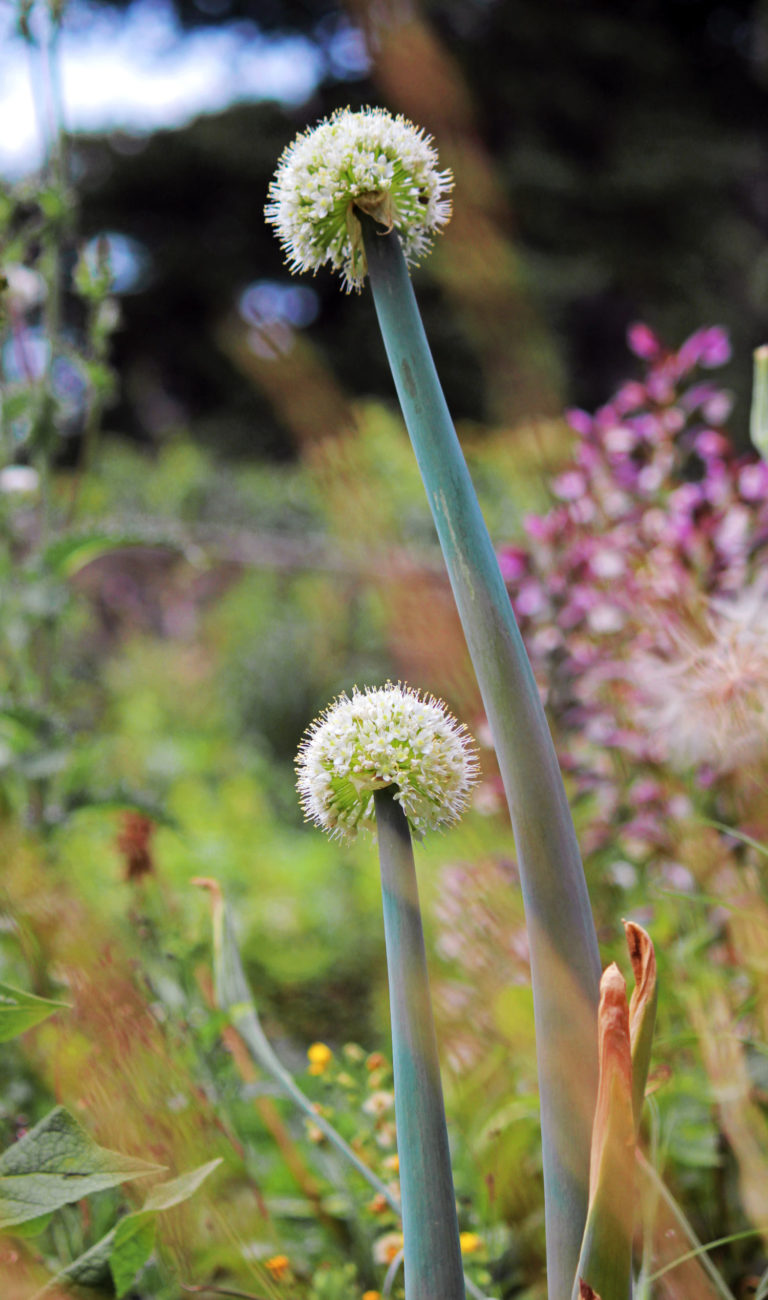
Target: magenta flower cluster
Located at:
point(656, 522)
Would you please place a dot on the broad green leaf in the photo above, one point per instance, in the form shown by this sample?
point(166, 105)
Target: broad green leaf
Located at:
point(134, 1241)
point(57, 1163)
point(20, 1011)
point(33, 1227)
point(135, 1234)
point(89, 1269)
point(125, 1249)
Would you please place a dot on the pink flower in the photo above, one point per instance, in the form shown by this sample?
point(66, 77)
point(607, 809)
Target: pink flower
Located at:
point(753, 481)
point(569, 486)
point(708, 347)
point(643, 342)
point(579, 421)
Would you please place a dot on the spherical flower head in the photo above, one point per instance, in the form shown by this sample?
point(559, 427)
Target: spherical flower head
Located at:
point(357, 162)
point(384, 736)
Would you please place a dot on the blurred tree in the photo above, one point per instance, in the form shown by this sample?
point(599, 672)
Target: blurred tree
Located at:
point(611, 162)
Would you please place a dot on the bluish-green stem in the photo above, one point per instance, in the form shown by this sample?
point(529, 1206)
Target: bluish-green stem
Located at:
point(431, 1249)
point(565, 962)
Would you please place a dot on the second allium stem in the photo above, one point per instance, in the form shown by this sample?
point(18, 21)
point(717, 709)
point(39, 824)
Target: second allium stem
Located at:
point(432, 1254)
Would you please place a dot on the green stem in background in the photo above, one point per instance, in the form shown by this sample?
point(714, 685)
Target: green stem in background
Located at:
point(565, 963)
point(758, 416)
point(234, 996)
point(432, 1253)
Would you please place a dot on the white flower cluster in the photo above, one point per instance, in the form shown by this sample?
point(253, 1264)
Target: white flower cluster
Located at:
point(385, 736)
point(371, 161)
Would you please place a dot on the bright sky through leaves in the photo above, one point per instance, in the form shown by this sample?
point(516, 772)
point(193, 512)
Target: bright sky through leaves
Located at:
point(136, 71)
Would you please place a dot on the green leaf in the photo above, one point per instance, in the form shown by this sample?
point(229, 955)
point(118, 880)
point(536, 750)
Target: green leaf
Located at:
point(57, 1163)
point(134, 1241)
point(165, 1195)
point(135, 1234)
point(20, 1011)
point(89, 1269)
point(125, 1249)
point(33, 1227)
point(68, 555)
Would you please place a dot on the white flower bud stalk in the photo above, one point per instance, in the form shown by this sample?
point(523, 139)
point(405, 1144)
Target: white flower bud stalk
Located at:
point(385, 736)
point(371, 161)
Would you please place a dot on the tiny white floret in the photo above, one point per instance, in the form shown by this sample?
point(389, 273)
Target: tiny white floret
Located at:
point(368, 161)
point(21, 480)
point(388, 735)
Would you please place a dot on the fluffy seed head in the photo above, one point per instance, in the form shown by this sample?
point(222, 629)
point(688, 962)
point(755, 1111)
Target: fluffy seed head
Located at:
point(368, 161)
point(386, 735)
point(707, 701)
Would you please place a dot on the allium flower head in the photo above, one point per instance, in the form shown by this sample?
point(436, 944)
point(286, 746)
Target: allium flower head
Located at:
point(367, 161)
point(387, 735)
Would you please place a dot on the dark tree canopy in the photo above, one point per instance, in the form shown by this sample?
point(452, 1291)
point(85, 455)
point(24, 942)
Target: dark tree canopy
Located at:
point(629, 142)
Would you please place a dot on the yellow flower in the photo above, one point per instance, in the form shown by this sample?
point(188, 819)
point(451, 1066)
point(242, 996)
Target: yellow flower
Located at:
point(279, 1266)
point(320, 1057)
point(371, 1295)
point(470, 1243)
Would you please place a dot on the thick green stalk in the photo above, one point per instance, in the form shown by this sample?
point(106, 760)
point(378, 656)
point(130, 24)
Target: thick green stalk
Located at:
point(432, 1254)
point(565, 964)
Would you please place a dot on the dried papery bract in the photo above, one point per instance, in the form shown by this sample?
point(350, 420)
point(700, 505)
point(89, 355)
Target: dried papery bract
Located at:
point(624, 1035)
point(606, 1259)
point(642, 1010)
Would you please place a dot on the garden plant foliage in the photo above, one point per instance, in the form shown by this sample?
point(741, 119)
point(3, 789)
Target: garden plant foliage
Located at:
point(170, 624)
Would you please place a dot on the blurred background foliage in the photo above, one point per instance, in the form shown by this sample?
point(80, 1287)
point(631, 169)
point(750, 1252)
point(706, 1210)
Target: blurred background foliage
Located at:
point(610, 165)
point(231, 530)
